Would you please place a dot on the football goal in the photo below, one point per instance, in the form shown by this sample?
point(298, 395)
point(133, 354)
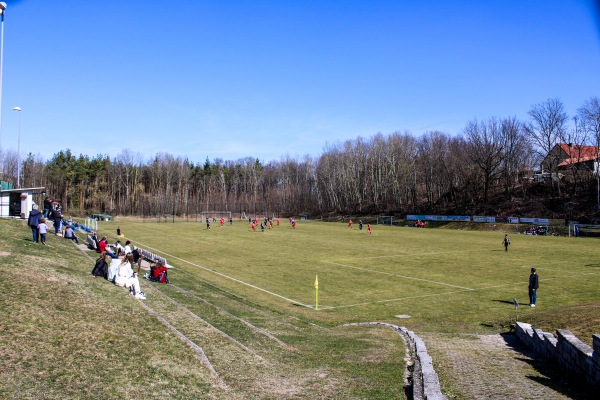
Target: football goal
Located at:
point(385, 220)
point(587, 230)
point(212, 215)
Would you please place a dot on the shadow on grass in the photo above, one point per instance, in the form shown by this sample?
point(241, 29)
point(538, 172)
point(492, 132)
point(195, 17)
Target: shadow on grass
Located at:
point(553, 377)
point(505, 301)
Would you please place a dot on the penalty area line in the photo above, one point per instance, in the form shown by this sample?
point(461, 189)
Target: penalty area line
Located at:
point(397, 275)
point(397, 299)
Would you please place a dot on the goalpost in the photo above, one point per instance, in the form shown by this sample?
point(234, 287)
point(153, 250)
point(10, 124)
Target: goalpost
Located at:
point(215, 214)
point(385, 220)
point(588, 230)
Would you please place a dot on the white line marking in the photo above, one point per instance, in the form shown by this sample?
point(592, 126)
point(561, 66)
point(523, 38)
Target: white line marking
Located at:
point(227, 276)
point(397, 275)
point(359, 268)
point(399, 298)
point(433, 252)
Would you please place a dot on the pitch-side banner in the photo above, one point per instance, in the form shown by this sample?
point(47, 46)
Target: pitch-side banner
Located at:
point(484, 219)
point(536, 221)
point(441, 218)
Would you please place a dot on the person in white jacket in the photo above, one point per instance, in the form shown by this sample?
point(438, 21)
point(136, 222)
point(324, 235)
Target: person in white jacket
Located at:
point(113, 268)
point(129, 279)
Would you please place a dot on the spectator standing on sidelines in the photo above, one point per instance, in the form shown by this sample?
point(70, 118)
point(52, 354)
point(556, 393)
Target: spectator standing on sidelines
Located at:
point(42, 229)
point(534, 284)
point(57, 217)
point(506, 242)
point(47, 206)
point(34, 220)
point(137, 257)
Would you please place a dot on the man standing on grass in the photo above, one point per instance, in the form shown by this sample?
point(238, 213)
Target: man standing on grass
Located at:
point(506, 242)
point(534, 284)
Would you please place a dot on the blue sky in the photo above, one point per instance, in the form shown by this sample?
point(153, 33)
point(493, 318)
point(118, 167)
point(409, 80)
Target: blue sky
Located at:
point(265, 79)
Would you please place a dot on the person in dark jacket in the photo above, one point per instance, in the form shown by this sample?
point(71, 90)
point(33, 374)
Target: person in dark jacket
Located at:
point(101, 267)
point(506, 242)
point(57, 217)
point(534, 284)
point(35, 218)
point(47, 206)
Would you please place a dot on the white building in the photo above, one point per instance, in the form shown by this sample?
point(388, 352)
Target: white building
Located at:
point(17, 203)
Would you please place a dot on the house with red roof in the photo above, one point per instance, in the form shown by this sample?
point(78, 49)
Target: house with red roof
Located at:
point(567, 156)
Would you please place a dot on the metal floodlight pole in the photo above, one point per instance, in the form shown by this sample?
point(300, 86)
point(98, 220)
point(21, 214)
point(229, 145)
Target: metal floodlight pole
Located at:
point(2, 10)
point(18, 149)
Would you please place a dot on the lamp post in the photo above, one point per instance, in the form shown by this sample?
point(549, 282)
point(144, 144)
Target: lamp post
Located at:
point(18, 150)
point(2, 10)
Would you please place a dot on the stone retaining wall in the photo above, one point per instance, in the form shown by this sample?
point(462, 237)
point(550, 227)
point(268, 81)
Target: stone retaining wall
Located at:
point(425, 381)
point(566, 350)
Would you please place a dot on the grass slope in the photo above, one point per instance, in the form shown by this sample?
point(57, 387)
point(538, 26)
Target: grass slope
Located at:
point(70, 336)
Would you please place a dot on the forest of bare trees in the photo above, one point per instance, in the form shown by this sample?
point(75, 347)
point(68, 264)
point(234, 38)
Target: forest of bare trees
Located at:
point(397, 173)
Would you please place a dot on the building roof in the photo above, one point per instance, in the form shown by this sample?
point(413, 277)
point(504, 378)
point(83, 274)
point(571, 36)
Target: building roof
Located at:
point(21, 190)
point(577, 154)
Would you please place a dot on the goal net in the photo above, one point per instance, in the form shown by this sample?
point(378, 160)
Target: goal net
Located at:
point(385, 220)
point(215, 215)
point(587, 230)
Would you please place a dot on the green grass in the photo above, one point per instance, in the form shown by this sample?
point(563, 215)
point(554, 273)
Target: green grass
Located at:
point(247, 299)
point(68, 335)
point(447, 280)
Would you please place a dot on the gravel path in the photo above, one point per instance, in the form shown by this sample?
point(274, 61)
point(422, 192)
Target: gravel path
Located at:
point(496, 367)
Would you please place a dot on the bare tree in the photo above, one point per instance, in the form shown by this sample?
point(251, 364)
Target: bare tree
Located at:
point(515, 150)
point(485, 150)
point(589, 117)
point(548, 124)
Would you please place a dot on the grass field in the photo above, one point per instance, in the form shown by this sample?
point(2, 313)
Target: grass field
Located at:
point(247, 301)
point(446, 280)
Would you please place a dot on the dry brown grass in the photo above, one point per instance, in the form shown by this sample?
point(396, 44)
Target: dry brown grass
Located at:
point(67, 335)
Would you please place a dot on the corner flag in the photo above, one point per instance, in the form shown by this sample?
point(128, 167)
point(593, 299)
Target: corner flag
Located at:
point(316, 292)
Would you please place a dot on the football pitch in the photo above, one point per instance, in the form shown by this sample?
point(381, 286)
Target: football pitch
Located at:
point(445, 280)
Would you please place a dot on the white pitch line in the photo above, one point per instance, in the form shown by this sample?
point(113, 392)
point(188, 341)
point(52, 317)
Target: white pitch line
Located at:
point(228, 277)
point(433, 252)
point(398, 299)
point(397, 275)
